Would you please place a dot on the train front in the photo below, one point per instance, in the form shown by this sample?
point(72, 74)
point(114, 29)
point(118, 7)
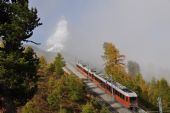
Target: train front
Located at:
point(133, 103)
point(131, 99)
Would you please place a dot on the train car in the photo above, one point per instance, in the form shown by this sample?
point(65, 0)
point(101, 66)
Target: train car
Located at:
point(66, 71)
point(121, 93)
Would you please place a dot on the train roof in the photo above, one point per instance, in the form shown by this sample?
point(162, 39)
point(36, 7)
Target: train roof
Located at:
point(119, 87)
point(66, 70)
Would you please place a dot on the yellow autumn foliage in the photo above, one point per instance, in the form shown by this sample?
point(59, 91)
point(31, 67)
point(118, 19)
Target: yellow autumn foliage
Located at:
point(1, 44)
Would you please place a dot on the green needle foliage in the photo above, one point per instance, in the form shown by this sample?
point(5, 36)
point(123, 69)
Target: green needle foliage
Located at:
point(67, 88)
point(18, 66)
point(56, 67)
point(59, 64)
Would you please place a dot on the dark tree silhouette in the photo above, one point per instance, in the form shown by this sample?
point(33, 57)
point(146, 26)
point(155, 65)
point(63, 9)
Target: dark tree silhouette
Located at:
point(18, 66)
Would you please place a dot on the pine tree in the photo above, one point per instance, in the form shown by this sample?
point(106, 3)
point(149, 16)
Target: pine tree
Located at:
point(18, 66)
point(59, 64)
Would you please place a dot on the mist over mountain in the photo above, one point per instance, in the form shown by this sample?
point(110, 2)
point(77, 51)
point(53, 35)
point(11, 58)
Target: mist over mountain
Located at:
point(148, 71)
point(139, 29)
point(41, 52)
point(50, 55)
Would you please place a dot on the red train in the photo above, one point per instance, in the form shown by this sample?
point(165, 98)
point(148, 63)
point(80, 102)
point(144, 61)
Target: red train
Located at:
point(121, 93)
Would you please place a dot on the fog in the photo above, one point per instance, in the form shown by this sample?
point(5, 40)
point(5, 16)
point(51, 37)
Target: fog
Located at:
point(139, 29)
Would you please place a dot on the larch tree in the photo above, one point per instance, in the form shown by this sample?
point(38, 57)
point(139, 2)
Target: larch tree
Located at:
point(43, 62)
point(88, 108)
point(18, 66)
point(113, 61)
point(163, 92)
point(1, 44)
point(43, 65)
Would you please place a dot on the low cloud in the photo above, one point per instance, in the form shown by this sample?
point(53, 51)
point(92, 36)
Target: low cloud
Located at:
point(55, 42)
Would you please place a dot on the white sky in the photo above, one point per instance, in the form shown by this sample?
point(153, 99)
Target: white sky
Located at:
point(139, 28)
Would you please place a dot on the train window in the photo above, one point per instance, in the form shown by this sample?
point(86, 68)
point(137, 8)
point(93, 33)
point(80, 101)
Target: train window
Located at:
point(132, 99)
point(108, 88)
point(114, 91)
point(120, 95)
point(123, 97)
point(100, 81)
point(111, 90)
point(126, 98)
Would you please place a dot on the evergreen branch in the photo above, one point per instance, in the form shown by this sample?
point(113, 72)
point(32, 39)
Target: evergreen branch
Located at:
point(31, 42)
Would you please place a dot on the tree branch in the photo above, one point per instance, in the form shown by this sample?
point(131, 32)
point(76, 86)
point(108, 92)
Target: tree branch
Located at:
point(31, 42)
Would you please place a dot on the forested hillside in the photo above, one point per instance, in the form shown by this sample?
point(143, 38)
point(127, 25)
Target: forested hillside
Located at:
point(28, 84)
point(61, 93)
point(148, 92)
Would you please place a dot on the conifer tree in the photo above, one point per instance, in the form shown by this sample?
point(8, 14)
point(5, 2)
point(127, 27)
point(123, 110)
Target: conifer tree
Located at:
point(18, 66)
point(59, 64)
point(113, 61)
